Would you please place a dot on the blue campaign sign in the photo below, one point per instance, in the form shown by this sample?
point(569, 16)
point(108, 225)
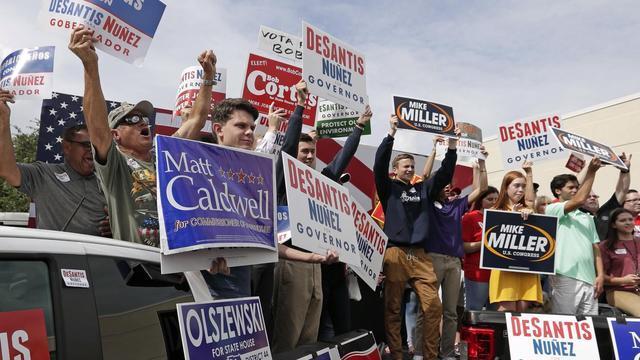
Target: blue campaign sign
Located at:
point(284, 226)
point(211, 196)
point(224, 329)
point(144, 15)
point(625, 338)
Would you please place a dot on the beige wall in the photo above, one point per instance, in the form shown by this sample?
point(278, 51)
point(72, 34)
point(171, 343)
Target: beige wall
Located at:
point(615, 123)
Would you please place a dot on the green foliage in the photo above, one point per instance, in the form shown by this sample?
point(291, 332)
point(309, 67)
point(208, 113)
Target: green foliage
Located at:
point(24, 145)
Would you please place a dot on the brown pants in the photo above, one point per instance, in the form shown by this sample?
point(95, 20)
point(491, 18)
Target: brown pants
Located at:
point(297, 304)
point(412, 265)
point(626, 301)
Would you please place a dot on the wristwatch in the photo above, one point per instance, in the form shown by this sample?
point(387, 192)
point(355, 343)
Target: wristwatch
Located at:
point(206, 82)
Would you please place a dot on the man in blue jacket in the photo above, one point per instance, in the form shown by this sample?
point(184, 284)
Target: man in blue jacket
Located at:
point(408, 213)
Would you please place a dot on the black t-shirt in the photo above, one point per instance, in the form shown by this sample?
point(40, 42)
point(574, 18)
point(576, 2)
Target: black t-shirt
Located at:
point(602, 216)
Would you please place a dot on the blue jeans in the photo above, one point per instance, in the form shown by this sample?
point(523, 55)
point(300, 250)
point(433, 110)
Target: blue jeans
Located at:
point(410, 317)
point(476, 294)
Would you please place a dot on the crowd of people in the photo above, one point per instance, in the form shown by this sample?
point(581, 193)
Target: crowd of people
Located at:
point(107, 187)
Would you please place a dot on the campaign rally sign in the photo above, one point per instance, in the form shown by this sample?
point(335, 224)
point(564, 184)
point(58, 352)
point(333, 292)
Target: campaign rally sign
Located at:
point(280, 43)
point(190, 81)
point(512, 244)
point(625, 338)
point(214, 197)
point(420, 115)
point(123, 29)
point(469, 144)
point(284, 226)
point(270, 81)
point(332, 69)
point(372, 243)
point(224, 329)
point(541, 336)
point(23, 335)
point(582, 145)
point(28, 73)
point(334, 120)
point(319, 212)
point(529, 139)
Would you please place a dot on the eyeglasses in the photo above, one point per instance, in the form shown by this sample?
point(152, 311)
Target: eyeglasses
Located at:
point(133, 119)
point(85, 144)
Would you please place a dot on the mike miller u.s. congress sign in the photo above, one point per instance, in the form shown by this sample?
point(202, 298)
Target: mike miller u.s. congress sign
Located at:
point(588, 147)
point(512, 244)
point(213, 197)
point(424, 116)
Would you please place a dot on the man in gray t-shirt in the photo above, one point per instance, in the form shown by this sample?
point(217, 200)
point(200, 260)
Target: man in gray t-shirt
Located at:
point(67, 195)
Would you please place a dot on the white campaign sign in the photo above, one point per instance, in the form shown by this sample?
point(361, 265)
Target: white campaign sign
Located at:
point(372, 243)
point(529, 139)
point(320, 212)
point(541, 336)
point(280, 43)
point(332, 69)
point(75, 278)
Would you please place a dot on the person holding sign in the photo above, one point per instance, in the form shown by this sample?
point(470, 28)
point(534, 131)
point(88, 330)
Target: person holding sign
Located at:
point(409, 212)
point(576, 286)
point(620, 258)
point(513, 291)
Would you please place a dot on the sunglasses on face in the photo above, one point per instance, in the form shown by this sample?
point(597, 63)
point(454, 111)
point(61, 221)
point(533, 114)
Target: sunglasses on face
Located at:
point(133, 120)
point(85, 144)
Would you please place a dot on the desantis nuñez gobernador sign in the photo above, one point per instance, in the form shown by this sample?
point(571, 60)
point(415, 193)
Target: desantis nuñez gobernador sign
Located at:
point(513, 244)
point(214, 197)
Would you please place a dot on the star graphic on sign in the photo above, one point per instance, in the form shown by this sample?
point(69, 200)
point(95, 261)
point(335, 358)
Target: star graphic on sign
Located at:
point(221, 171)
point(73, 115)
point(74, 98)
point(230, 174)
point(241, 175)
point(61, 122)
point(53, 112)
point(260, 180)
point(252, 179)
point(58, 139)
point(49, 128)
point(57, 157)
point(64, 105)
point(48, 146)
point(113, 104)
point(54, 95)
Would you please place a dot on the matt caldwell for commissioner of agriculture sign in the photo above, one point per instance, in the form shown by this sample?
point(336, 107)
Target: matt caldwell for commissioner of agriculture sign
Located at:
point(230, 329)
point(424, 116)
point(28, 73)
point(332, 69)
point(512, 244)
point(213, 197)
point(124, 29)
point(540, 336)
point(529, 139)
point(588, 147)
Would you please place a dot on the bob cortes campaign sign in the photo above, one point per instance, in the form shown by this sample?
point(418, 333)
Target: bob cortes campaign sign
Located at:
point(510, 243)
point(424, 116)
point(529, 139)
point(582, 145)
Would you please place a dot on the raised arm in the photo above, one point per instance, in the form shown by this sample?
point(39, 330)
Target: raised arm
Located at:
point(191, 128)
point(94, 105)
point(529, 191)
point(428, 166)
point(381, 163)
point(585, 188)
point(624, 179)
point(480, 182)
point(342, 158)
point(444, 174)
point(267, 143)
point(8, 167)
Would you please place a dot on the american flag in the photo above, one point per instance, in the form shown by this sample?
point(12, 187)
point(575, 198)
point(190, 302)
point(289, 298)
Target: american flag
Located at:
point(58, 113)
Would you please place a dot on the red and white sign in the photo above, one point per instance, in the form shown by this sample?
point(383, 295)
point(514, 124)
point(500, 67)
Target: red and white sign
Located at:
point(529, 139)
point(372, 243)
point(75, 278)
point(23, 335)
point(190, 82)
point(319, 212)
point(333, 69)
point(541, 336)
point(270, 81)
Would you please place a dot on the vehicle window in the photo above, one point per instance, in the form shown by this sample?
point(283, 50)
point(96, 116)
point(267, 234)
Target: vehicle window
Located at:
point(24, 285)
point(128, 300)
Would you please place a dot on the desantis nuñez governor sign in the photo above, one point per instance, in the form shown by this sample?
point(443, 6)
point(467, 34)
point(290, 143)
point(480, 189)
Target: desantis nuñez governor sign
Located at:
point(513, 244)
point(214, 197)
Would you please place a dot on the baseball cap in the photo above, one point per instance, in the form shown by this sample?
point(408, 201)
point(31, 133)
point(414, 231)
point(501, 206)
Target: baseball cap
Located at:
point(117, 114)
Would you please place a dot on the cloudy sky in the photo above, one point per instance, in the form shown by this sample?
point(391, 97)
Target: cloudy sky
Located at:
point(492, 61)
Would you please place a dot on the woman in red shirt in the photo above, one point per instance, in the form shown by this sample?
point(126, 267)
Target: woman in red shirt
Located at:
point(620, 261)
point(476, 280)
